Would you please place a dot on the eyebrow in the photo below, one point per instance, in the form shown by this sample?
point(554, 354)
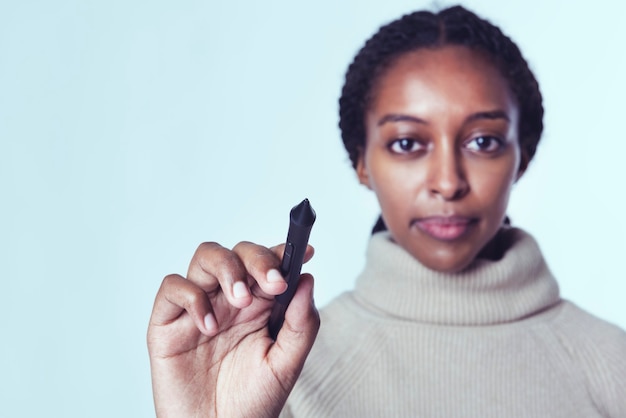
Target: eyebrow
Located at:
point(494, 114)
point(396, 117)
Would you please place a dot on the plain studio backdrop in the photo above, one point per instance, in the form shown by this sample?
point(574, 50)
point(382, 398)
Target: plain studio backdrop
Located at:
point(131, 131)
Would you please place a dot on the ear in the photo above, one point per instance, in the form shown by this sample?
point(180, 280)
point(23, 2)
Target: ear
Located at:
point(362, 172)
point(523, 164)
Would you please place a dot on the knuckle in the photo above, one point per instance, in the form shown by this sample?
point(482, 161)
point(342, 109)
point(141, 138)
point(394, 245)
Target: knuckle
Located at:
point(250, 248)
point(204, 254)
point(230, 259)
point(241, 245)
point(170, 280)
point(212, 256)
point(229, 262)
point(255, 256)
point(208, 247)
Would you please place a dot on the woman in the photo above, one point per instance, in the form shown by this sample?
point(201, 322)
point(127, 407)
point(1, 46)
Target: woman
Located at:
point(455, 314)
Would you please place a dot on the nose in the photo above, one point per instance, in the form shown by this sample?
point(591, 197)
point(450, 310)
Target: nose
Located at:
point(446, 177)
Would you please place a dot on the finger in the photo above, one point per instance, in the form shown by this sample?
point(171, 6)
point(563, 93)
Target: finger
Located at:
point(279, 250)
point(177, 295)
point(262, 265)
point(216, 268)
point(297, 334)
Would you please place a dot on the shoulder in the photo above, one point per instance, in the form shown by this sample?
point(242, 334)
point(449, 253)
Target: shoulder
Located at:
point(599, 348)
point(588, 332)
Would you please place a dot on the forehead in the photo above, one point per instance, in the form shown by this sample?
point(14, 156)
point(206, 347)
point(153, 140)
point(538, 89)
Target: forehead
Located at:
point(452, 73)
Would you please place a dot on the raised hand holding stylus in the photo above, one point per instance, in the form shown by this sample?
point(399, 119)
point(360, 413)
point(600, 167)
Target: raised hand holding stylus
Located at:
point(210, 348)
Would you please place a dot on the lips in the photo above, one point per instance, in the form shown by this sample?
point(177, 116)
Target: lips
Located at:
point(445, 228)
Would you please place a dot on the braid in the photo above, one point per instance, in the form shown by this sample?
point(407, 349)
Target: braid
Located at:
point(422, 29)
point(467, 29)
point(409, 32)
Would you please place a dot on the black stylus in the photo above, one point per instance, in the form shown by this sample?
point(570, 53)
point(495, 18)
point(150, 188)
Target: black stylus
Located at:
point(301, 219)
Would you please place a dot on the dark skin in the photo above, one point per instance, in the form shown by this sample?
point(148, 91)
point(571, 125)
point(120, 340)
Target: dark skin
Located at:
point(210, 351)
point(442, 155)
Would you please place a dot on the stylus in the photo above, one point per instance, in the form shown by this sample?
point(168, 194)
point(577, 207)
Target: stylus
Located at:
point(301, 219)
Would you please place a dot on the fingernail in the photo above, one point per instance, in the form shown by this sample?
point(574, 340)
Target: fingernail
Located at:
point(210, 323)
point(240, 290)
point(274, 276)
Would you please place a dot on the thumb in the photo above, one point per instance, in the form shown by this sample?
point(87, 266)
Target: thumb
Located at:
point(296, 337)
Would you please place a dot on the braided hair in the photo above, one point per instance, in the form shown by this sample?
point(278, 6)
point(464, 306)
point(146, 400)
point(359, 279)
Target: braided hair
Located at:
point(422, 29)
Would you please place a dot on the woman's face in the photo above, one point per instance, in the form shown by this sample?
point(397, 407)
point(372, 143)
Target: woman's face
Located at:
point(442, 153)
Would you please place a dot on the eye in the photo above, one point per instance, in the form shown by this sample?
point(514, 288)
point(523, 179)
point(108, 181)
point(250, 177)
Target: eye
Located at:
point(405, 146)
point(488, 144)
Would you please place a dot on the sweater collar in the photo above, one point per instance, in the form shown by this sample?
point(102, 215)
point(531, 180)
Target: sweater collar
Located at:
point(486, 293)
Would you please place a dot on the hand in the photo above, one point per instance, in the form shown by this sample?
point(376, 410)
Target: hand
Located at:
point(210, 350)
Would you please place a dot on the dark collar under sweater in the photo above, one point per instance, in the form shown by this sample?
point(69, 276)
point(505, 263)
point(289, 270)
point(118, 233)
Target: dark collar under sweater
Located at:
point(486, 293)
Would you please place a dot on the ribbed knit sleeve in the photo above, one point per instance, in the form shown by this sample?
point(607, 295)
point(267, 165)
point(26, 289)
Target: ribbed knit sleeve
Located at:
point(599, 348)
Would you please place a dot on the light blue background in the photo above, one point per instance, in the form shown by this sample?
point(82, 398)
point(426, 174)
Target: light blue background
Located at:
point(131, 131)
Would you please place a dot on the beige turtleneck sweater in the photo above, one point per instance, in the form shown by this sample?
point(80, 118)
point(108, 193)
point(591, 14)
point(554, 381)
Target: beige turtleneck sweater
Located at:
point(495, 340)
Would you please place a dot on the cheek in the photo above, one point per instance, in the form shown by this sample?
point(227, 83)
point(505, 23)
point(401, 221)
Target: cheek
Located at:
point(392, 184)
point(494, 186)
point(389, 189)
